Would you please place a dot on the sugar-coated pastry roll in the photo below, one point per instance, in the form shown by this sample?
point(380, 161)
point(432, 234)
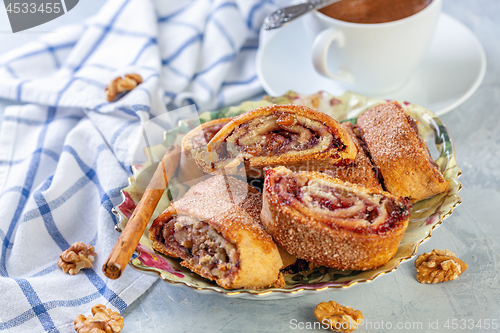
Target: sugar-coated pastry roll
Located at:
point(401, 156)
point(330, 222)
point(360, 171)
point(197, 139)
point(215, 229)
point(292, 135)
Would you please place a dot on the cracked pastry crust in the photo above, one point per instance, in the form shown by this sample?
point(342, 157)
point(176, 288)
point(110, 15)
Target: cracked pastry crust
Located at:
point(330, 222)
point(193, 142)
point(401, 156)
point(292, 135)
point(216, 231)
point(361, 171)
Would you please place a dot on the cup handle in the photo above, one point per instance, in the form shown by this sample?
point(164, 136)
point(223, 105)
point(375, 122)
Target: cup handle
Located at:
point(320, 54)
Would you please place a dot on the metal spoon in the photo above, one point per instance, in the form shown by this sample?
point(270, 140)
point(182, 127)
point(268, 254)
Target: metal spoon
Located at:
point(286, 14)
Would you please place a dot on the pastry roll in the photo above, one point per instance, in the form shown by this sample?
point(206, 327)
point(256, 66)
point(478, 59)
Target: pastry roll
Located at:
point(401, 156)
point(360, 171)
point(292, 135)
point(216, 231)
point(196, 140)
point(330, 222)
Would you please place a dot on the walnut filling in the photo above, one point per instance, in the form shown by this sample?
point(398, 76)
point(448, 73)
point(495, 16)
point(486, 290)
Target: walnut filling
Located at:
point(202, 245)
point(337, 203)
point(278, 134)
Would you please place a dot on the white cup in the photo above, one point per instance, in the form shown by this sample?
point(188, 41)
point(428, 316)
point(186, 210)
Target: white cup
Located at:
point(373, 58)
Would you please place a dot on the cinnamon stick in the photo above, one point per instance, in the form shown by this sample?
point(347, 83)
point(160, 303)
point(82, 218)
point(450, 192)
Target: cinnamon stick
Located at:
point(130, 236)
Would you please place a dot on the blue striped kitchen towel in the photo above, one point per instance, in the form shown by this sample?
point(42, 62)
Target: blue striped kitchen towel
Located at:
point(65, 151)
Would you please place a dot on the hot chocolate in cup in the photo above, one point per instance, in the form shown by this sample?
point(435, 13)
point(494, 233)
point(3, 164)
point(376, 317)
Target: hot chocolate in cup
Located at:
point(372, 58)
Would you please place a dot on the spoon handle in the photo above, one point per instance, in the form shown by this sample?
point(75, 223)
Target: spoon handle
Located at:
point(286, 14)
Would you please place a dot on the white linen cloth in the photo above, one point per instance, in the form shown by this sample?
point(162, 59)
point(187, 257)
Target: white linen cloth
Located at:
point(64, 153)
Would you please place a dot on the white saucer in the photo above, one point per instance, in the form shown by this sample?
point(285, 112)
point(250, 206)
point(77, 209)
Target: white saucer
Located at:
point(451, 71)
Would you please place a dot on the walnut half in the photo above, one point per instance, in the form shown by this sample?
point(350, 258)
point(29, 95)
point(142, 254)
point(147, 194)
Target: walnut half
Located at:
point(337, 317)
point(121, 85)
point(78, 256)
point(438, 266)
point(102, 320)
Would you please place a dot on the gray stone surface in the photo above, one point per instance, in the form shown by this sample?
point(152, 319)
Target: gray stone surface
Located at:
point(472, 232)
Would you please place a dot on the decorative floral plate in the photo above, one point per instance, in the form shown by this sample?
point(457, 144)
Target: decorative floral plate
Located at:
point(426, 214)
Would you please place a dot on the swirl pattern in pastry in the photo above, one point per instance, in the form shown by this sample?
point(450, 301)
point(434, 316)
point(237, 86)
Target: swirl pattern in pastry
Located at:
point(330, 222)
point(292, 135)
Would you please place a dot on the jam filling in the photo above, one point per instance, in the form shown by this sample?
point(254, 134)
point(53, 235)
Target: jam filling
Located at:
point(368, 213)
point(341, 203)
point(338, 202)
point(281, 133)
point(202, 245)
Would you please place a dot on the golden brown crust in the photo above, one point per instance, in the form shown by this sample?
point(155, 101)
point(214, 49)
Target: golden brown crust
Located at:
point(400, 155)
point(361, 170)
point(314, 235)
point(231, 208)
point(196, 139)
point(292, 135)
